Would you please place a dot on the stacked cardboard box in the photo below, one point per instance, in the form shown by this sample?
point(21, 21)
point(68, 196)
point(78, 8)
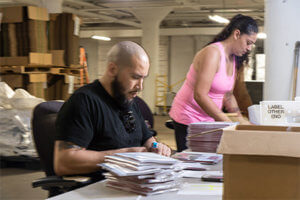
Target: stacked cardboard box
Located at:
point(24, 42)
point(34, 83)
point(64, 35)
point(23, 32)
point(60, 86)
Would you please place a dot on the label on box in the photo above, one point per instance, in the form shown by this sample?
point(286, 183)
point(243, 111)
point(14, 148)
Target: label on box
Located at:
point(71, 84)
point(279, 112)
point(76, 25)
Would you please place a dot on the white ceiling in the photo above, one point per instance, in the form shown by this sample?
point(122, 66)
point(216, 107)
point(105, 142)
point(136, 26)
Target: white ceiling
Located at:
point(116, 14)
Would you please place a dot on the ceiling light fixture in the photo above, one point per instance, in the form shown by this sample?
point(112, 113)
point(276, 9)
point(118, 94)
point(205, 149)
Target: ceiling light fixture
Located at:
point(97, 37)
point(261, 35)
point(218, 18)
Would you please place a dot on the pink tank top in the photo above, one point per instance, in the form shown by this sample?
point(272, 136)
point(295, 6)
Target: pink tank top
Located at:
point(185, 109)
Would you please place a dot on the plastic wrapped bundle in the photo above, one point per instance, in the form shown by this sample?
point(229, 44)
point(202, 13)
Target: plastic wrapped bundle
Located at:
point(143, 173)
point(205, 136)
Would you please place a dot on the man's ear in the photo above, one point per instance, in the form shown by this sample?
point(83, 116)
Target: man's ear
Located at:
point(236, 34)
point(112, 69)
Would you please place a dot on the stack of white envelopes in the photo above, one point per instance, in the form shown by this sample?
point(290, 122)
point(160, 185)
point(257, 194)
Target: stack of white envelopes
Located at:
point(144, 173)
point(198, 157)
point(205, 136)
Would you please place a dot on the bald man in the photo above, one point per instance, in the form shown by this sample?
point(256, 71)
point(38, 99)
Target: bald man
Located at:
point(101, 119)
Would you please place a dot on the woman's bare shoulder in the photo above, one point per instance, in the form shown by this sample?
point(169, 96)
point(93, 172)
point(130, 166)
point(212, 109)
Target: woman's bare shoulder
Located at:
point(210, 51)
point(212, 48)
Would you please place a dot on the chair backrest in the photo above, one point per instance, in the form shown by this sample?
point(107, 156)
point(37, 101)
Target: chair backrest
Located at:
point(43, 129)
point(145, 110)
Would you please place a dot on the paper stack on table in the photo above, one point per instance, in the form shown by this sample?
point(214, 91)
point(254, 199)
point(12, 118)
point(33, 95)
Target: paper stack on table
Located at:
point(205, 136)
point(201, 157)
point(144, 173)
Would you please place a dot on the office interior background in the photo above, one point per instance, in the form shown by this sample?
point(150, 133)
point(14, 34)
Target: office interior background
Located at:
point(171, 31)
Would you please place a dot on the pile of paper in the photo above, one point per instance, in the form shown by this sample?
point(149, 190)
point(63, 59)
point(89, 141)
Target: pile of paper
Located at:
point(205, 136)
point(144, 173)
point(198, 157)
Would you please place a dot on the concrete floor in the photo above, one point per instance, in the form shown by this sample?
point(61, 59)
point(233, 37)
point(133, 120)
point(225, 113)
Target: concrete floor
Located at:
point(15, 183)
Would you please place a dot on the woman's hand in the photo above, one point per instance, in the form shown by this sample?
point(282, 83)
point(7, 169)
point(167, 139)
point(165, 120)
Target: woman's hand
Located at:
point(243, 121)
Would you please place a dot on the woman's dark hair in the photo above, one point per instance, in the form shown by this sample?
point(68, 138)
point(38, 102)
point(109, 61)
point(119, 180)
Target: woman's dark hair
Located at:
point(246, 25)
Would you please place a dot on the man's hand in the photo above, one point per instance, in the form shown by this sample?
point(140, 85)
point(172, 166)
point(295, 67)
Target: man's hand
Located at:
point(161, 149)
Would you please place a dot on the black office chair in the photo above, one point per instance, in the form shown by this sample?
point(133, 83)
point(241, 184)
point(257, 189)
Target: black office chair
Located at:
point(169, 124)
point(146, 113)
point(43, 129)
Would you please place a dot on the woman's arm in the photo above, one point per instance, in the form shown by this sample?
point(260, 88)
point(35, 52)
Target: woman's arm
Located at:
point(231, 106)
point(206, 64)
point(241, 93)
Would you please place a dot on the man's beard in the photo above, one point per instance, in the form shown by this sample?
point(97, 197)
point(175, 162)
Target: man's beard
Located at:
point(119, 95)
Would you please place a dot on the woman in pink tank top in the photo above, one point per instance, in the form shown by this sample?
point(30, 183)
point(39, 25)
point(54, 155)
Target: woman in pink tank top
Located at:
point(210, 81)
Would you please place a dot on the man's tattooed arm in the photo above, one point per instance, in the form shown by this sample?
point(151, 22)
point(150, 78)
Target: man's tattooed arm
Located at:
point(68, 145)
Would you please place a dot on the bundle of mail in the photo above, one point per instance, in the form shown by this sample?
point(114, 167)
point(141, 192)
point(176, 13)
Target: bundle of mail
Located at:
point(205, 136)
point(144, 173)
point(198, 157)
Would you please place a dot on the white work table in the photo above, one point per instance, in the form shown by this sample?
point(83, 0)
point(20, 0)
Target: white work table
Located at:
point(188, 192)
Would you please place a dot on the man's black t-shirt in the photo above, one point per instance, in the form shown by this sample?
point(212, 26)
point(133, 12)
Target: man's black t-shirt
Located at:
point(91, 119)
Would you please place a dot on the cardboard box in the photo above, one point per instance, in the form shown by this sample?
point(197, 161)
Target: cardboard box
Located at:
point(13, 80)
point(40, 58)
point(12, 40)
point(261, 162)
point(37, 78)
point(57, 88)
point(37, 89)
point(38, 39)
point(19, 60)
point(65, 93)
point(69, 79)
point(19, 39)
point(24, 30)
point(63, 34)
point(21, 13)
point(32, 59)
point(50, 92)
point(58, 57)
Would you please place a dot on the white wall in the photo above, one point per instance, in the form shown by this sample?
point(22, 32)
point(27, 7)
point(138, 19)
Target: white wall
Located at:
point(283, 30)
point(182, 52)
point(176, 54)
point(97, 51)
point(91, 48)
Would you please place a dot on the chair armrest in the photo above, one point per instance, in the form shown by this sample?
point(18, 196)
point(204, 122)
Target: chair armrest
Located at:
point(58, 181)
point(169, 124)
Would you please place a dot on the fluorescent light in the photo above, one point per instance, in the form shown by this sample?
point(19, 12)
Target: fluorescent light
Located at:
point(261, 35)
point(97, 37)
point(218, 18)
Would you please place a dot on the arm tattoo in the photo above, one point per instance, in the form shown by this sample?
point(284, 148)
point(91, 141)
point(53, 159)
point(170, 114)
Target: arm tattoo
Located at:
point(68, 145)
point(234, 110)
point(227, 96)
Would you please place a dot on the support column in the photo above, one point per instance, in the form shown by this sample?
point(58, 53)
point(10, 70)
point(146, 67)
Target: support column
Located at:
point(283, 30)
point(150, 20)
